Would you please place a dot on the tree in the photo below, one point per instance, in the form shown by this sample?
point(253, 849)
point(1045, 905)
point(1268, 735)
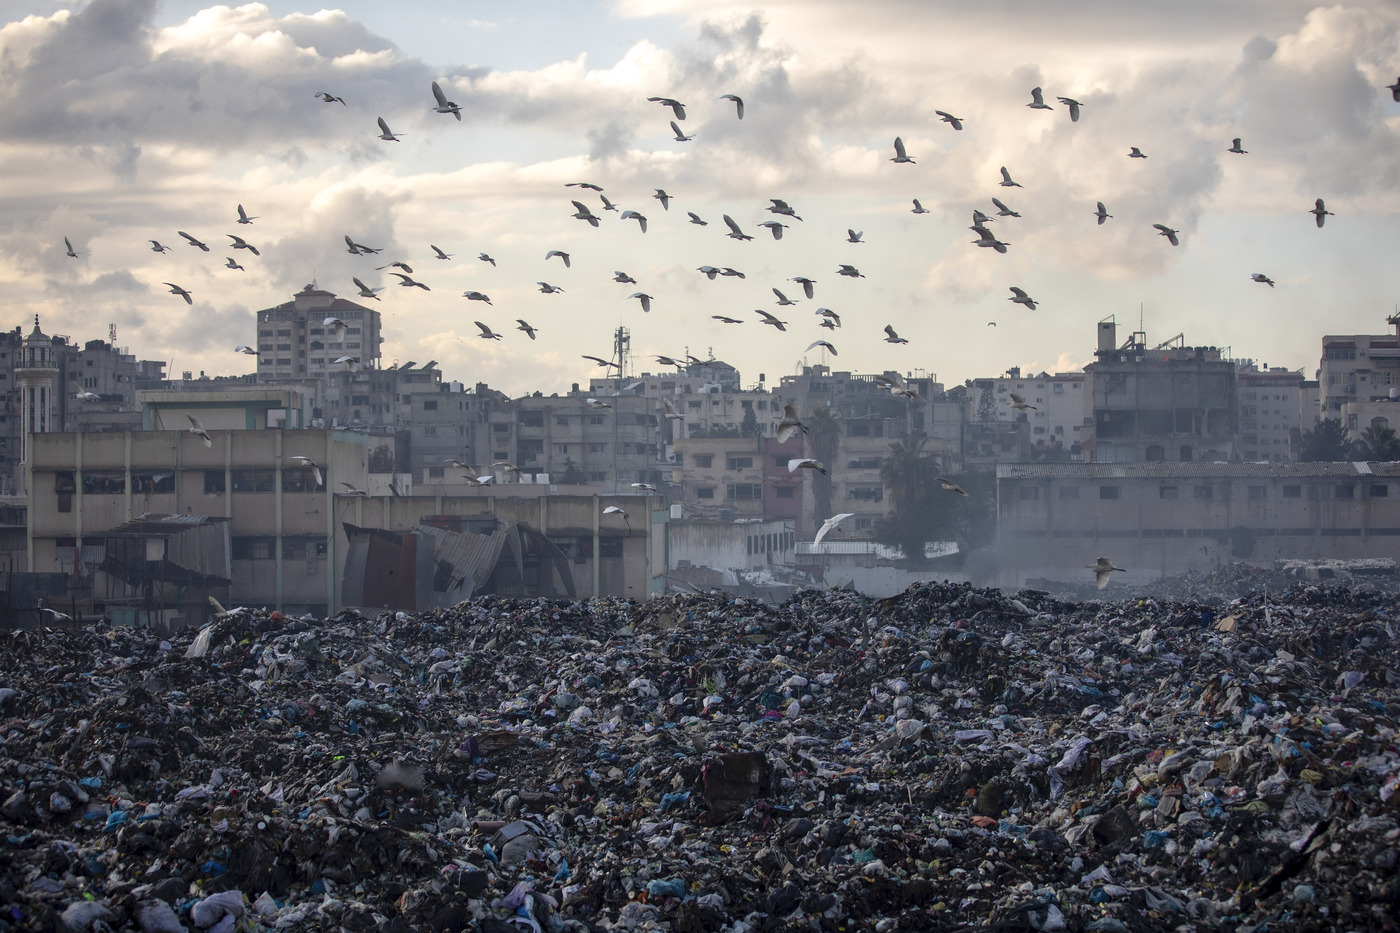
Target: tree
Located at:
point(1328, 441)
point(573, 476)
point(381, 459)
point(1380, 443)
point(908, 474)
point(749, 426)
point(825, 436)
point(986, 405)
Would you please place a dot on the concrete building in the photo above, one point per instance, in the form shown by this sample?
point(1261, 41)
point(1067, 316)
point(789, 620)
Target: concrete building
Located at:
point(1358, 368)
point(1270, 413)
point(1061, 415)
point(294, 343)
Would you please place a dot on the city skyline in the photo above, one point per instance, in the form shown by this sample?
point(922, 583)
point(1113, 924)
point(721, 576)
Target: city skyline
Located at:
point(128, 120)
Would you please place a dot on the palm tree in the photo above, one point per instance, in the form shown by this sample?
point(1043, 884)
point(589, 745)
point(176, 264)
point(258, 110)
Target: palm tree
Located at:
point(1381, 443)
point(907, 474)
point(825, 434)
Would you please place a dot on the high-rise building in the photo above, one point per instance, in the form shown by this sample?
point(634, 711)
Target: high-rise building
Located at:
point(294, 342)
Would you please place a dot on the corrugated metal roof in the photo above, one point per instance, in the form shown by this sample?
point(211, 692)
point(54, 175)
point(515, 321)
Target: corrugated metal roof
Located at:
point(152, 523)
point(1166, 470)
point(472, 556)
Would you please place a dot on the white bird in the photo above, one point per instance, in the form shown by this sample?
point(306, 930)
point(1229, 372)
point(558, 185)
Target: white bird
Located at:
point(918, 208)
point(726, 320)
point(668, 410)
point(770, 319)
point(1169, 233)
point(560, 253)
point(806, 284)
point(668, 361)
point(774, 228)
point(806, 463)
point(486, 332)
point(600, 361)
point(526, 327)
point(240, 243)
point(950, 486)
point(985, 238)
point(589, 186)
point(892, 337)
point(440, 253)
point(582, 212)
point(980, 218)
point(638, 216)
point(695, 219)
point(664, 198)
point(177, 290)
point(335, 324)
point(676, 106)
point(850, 271)
point(648, 487)
point(485, 258)
point(1321, 212)
point(644, 298)
point(734, 232)
point(1019, 403)
point(1103, 569)
point(680, 137)
point(824, 345)
point(829, 525)
point(353, 491)
point(739, 102)
point(1003, 210)
point(444, 105)
point(624, 278)
point(607, 205)
point(193, 241)
point(779, 206)
point(1136, 153)
point(229, 262)
point(615, 510)
point(156, 247)
point(351, 362)
point(1235, 147)
point(899, 154)
point(1102, 213)
point(384, 132)
point(790, 424)
point(197, 429)
point(243, 217)
point(955, 122)
point(242, 348)
point(395, 265)
point(410, 283)
point(548, 289)
point(315, 470)
point(86, 396)
point(330, 98)
point(898, 388)
point(355, 249)
point(1262, 279)
point(365, 290)
point(596, 403)
point(1021, 298)
point(1006, 181)
point(68, 249)
point(731, 273)
point(783, 300)
point(1037, 102)
point(830, 315)
point(828, 324)
point(854, 236)
point(1073, 106)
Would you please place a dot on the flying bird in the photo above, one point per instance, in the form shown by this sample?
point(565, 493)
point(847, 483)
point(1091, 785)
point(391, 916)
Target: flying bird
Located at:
point(607, 205)
point(156, 247)
point(335, 324)
point(918, 208)
point(892, 337)
point(395, 265)
point(644, 486)
point(485, 258)
point(193, 241)
point(734, 232)
point(739, 102)
point(664, 198)
point(695, 219)
point(899, 154)
point(626, 279)
point(548, 289)
point(779, 206)
point(477, 296)
point(315, 470)
point(771, 319)
point(86, 396)
point(1103, 569)
point(731, 273)
point(229, 262)
point(351, 362)
point(1262, 279)
point(985, 238)
point(806, 463)
point(356, 249)
point(384, 132)
point(676, 106)
point(680, 137)
point(854, 236)
point(582, 184)
point(616, 510)
point(560, 253)
point(1136, 153)
point(486, 332)
point(410, 283)
point(1021, 298)
point(243, 217)
point(1235, 147)
point(774, 228)
point(1321, 212)
point(245, 350)
point(1073, 106)
point(582, 212)
point(667, 361)
point(824, 345)
point(444, 105)
point(726, 320)
point(950, 486)
point(365, 290)
point(596, 403)
point(1003, 210)
point(1394, 90)
point(806, 284)
point(353, 491)
point(850, 271)
point(1037, 102)
point(898, 388)
point(783, 300)
point(1019, 403)
point(1102, 213)
point(668, 411)
point(830, 315)
point(1170, 234)
point(829, 525)
point(644, 298)
point(980, 218)
point(790, 423)
point(330, 98)
point(240, 243)
point(1006, 181)
point(177, 290)
point(639, 217)
point(197, 429)
point(955, 122)
point(600, 361)
point(440, 253)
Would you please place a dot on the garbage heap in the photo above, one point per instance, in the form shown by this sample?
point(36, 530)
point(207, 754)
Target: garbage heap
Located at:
point(947, 759)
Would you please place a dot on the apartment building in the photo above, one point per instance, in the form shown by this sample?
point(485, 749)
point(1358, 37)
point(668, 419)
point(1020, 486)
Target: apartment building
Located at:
point(1270, 412)
point(294, 343)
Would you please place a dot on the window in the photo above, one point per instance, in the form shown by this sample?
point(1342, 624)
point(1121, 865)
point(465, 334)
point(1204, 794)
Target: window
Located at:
point(596, 448)
point(704, 461)
point(1166, 492)
point(104, 482)
point(561, 448)
point(250, 547)
point(214, 482)
point(786, 492)
point(1108, 492)
point(1069, 492)
point(63, 488)
point(1380, 491)
point(1027, 493)
point(743, 492)
point(865, 493)
point(595, 419)
point(597, 476)
point(1346, 491)
point(695, 405)
point(430, 405)
point(147, 484)
point(430, 430)
point(1205, 492)
point(740, 463)
point(435, 472)
point(1258, 492)
point(562, 421)
point(499, 427)
point(870, 464)
point(298, 479)
point(254, 480)
point(1293, 492)
point(707, 492)
point(303, 547)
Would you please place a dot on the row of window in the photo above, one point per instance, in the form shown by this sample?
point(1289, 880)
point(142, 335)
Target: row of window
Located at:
point(1293, 491)
point(763, 544)
point(264, 547)
point(114, 482)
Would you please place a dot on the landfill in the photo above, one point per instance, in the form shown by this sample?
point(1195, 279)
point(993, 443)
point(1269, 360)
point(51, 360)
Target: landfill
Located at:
point(950, 758)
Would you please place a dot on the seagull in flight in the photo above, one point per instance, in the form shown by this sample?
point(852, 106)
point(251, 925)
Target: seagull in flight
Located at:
point(197, 429)
point(618, 510)
point(853, 236)
point(805, 282)
point(560, 253)
point(771, 319)
point(444, 105)
point(645, 486)
point(1020, 297)
point(783, 300)
point(1037, 102)
point(806, 463)
point(68, 248)
point(1003, 210)
point(548, 289)
point(233, 265)
point(638, 216)
point(790, 424)
point(1006, 181)
point(1235, 147)
point(86, 396)
point(918, 208)
point(664, 198)
point(626, 279)
point(1102, 213)
point(246, 350)
point(582, 212)
point(734, 232)
point(676, 106)
point(644, 298)
point(1019, 403)
point(850, 271)
point(365, 290)
point(193, 241)
point(829, 525)
point(695, 219)
point(1170, 234)
point(955, 122)
point(950, 486)
point(156, 247)
point(899, 154)
point(892, 337)
point(780, 206)
point(485, 258)
point(1262, 279)
point(774, 228)
point(1321, 212)
point(243, 217)
point(384, 132)
point(823, 344)
point(680, 137)
point(477, 296)
point(1136, 153)
point(315, 470)
point(240, 243)
point(1103, 569)
point(177, 290)
point(486, 332)
point(330, 98)
point(739, 102)
point(335, 324)
point(410, 283)
point(1073, 106)
point(440, 253)
point(351, 362)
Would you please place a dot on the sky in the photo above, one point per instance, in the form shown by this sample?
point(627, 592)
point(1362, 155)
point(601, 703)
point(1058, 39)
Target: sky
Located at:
point(125, 121)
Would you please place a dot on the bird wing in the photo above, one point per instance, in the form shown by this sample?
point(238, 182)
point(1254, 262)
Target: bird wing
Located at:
point(889, 329)
point(1035, 96)
point(766, 316)
point(441, 97)
point(384, 127)
point(485, 331)
point(899, 148)
point(1019, 293)
point(729, 222)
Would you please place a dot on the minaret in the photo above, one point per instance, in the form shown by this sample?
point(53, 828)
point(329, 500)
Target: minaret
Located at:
point(36, 370)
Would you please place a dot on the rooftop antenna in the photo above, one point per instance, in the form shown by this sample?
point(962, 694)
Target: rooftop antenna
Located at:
point(112, 334)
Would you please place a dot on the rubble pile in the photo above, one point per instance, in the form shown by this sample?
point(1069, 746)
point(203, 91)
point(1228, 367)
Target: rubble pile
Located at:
point(950, 758)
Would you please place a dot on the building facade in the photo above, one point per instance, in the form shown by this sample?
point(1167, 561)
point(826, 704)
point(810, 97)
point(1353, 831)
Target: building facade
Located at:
point(293, 342)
